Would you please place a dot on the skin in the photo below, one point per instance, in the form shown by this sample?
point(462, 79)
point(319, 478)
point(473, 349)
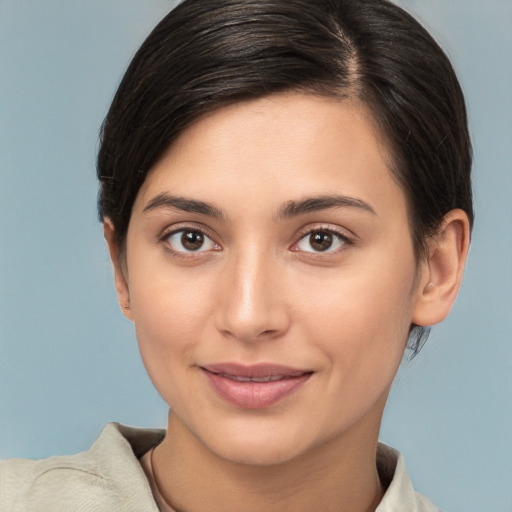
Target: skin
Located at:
point(258, 291)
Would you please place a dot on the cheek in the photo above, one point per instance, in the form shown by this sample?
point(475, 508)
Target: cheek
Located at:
point(361, 319)
point(170, 315)
point(360, 334)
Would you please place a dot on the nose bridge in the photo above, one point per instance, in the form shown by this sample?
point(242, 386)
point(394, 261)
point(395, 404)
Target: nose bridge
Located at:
point(251, 307)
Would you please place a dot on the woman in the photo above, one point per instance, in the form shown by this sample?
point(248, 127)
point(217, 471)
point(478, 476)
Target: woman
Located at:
point(286, 198)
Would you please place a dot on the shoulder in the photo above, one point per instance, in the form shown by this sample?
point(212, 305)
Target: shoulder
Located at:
point(400, 494)
point(107, 475)
point(57, 483)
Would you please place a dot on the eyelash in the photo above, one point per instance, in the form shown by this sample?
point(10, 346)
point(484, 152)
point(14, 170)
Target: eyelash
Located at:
point(342, 238)
point(337, 235)
point(165, 239)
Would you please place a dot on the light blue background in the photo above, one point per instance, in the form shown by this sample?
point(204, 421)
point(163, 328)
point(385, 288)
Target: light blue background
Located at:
point(68, 359)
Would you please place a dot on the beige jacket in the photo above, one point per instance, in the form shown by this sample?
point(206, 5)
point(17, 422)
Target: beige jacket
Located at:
point(109, 478)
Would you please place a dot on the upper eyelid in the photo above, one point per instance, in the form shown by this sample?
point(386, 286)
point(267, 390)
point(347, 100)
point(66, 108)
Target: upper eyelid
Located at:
point(186, 255)
point(344, 233)
point(347, 241)
point(176, 228)
point(169, 231)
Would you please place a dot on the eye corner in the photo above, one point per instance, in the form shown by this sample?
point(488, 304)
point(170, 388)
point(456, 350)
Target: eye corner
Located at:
point(330, 242)
point(198, 244)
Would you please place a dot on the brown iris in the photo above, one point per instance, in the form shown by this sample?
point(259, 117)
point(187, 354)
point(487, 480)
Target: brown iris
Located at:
point(192, 240)
point(321, 240)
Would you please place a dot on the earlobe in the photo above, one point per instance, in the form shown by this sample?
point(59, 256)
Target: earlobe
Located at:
point(120, 277)
point(441, 272)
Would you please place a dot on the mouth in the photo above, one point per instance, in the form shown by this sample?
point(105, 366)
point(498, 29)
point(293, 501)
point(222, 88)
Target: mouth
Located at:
point(269, 378)
point(254, 387)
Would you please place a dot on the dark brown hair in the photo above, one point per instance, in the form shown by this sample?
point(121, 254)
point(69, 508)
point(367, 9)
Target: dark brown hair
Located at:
point(206, 54)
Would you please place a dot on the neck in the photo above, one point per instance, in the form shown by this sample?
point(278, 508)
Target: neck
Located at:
point(339, 475)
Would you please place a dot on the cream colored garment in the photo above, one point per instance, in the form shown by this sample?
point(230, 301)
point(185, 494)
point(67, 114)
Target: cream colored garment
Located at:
point(109, 477)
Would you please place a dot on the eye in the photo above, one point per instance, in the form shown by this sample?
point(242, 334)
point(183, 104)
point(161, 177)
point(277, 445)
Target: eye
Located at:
point(190, 240)
point(321, 240)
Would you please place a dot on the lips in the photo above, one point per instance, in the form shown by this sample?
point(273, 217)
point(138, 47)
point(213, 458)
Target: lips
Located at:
point(238, 378)
point(254, 387)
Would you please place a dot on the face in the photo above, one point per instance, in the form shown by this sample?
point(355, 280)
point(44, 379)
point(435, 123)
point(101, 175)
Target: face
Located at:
point(271, 277)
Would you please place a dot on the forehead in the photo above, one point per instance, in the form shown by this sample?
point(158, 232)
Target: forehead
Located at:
point(285, 145)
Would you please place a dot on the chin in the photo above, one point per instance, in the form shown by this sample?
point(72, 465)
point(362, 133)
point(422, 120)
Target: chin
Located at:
point(254, 441)
point(264, 453)
point(262, 441)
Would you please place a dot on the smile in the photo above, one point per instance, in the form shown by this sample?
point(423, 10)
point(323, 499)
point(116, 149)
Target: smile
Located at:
point(254, 387)
point(238, 378)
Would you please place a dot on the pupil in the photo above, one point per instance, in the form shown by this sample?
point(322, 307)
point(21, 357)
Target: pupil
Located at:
point(192, 240)
point(321, 241)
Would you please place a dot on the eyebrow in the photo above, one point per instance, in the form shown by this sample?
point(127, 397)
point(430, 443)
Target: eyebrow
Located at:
point(315, 204)
point(288, 210)
point(165, 200)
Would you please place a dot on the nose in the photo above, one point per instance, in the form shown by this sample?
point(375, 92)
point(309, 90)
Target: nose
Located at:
point(250, 303)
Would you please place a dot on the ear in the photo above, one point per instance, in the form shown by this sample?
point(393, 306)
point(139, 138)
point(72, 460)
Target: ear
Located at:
point(120, 273)
point(441, 272)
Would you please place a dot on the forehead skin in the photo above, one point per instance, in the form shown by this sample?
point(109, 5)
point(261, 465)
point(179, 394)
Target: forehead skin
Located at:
point(228, 134)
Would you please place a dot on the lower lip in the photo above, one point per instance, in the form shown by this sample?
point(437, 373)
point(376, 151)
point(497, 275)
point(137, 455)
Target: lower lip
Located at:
point(254, 395)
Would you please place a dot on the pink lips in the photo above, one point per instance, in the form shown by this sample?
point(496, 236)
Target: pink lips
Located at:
point(254, 387)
